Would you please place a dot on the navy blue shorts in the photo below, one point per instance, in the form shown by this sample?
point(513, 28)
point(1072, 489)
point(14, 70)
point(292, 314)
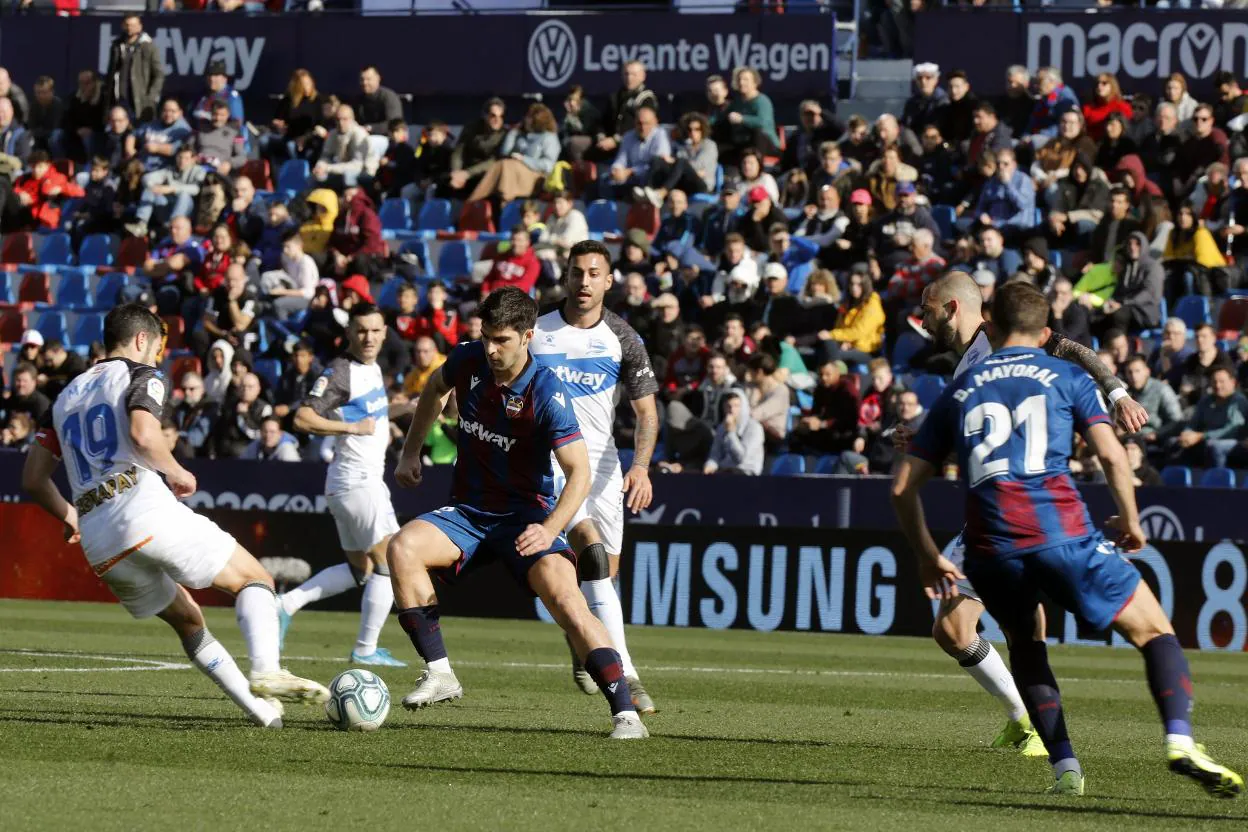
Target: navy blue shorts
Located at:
point(1087, 577)
point(484, 536)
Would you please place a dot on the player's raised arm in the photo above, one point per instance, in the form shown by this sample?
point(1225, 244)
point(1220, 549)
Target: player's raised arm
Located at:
point(41, 463)
point(1130, 414)
point(429, 407)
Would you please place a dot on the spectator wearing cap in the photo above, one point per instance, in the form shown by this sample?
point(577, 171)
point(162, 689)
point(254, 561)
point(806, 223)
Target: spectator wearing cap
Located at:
point(929, 103)
point(219, 90)
point(518, 267)
point(859, 330)
point(15, 139)
point(135, 74)
point(42, 191)
point(887, 177)
point(218, 145)
point(1008, 200)
point(168, 193)
point(478, 146)
point(529, 153)
point(377, 106)
point(620, 114)
point(751, 117)
point(755, 227)
point(159, 140)
point(958, 122)
point(30, 347)
point(889, 132)
point(356, 245)
point(1206, 145)
point(724, 218)
point(803, 149)
point(638, 149)
point(25, 397)
point(781, 311)
point(355, 289)
point(693, 167)
point(987, 283)
point(634, 254)
point(892, 234)
point(1054, 99)
point(1066, 316)
point(822, 222)
point(344, 156)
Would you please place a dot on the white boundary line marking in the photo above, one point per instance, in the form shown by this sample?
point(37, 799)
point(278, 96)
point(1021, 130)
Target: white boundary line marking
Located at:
point(135, 664)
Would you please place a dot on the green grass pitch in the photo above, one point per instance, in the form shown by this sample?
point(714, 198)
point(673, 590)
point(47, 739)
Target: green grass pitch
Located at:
point(757, 731)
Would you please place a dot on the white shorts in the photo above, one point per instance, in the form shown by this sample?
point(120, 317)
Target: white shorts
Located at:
point(174, 546)
point(604, 505)
point(364, 516)
point(956, 553)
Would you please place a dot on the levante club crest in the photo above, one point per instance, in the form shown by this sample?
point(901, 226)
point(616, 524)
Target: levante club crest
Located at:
point(514, 405)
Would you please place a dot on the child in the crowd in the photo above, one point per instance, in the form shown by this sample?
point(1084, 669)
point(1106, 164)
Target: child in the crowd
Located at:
point(269, 247)
point(398, 167)
point(95, 213)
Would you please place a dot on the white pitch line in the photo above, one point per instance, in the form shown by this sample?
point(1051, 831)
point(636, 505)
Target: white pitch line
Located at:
point(135, 664)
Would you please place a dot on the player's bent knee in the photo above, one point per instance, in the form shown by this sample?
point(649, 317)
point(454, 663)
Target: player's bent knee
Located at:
point(593, 564)
point(183, 614)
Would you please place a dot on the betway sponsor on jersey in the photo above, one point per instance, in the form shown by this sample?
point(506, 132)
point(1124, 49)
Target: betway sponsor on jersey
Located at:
point(480, 432)
point(190, 56)
point(1137, 48)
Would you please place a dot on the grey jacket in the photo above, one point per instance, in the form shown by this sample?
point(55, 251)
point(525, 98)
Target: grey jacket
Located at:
point(704, 159)
point(1140, 286)
point(147, 77)
point(220, 144)
point(540, 150)
point(186, 182)
point(1162, 404)
point(742, 449)
point(345, 152)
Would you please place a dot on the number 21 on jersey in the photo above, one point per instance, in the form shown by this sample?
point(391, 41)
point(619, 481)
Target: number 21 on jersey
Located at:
point(997, 423)
point(90, 438)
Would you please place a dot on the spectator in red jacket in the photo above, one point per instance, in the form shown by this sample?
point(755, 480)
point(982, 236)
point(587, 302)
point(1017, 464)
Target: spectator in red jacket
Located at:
point(1107, 101)
point(356, 245)
point(686, 367)
point(216, 261)
point(41, 191)
point(518, 267)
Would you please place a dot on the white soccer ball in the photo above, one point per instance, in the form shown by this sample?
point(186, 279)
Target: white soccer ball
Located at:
point(358, 701)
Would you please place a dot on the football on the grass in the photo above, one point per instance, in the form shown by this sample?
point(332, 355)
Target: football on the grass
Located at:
point(358, 701)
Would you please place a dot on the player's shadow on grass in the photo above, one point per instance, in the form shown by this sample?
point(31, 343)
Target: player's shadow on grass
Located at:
point(1082, 807)
point(589, 732)
point(119, 719)
point(207, 697)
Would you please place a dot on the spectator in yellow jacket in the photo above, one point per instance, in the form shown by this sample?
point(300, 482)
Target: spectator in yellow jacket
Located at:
point(1190, 249)
point(859, 330)
point(323, 205)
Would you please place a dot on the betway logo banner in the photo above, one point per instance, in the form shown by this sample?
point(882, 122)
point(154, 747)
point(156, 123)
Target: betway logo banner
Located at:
point(591, 50)
point(1141, 47)
point(184, 54)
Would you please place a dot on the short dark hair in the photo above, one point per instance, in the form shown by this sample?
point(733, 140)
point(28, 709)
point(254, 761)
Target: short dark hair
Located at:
point(53, 345)
point(957, 73)
point(1118, 190)
point(493, 102)
point(359, 310)
point(509, 308)
point(518, 229)
point(26, 368)
point(100, 162)
point(986, 107)
point(1113, 334)
point(1134, 357)
point(305, 346)
point(395, 124)
point(124, 322)
point(1019, 308)
point(291, 234)
point(586, 247)
point(777, 228)
point(733, 316)
point(45, 81)
point(1203, 326)
point(763, 362)
point(39, 157)
point(186, 148)
point(1224, 77)
point(219, 105)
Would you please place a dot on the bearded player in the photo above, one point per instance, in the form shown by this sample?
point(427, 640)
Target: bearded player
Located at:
point(953, 314)
point(143, 543)
point(598, 356)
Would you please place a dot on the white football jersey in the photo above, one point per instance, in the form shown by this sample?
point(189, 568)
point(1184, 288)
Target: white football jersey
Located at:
point(597, 365)
point(349, 391)
point(90, 423)
point(979, 349)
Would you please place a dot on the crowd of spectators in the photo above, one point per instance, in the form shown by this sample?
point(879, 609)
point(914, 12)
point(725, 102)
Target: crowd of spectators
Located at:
point(773, 273)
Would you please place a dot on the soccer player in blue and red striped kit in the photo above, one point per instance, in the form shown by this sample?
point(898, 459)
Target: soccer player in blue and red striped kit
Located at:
point(1011, 421)
point(513, 414)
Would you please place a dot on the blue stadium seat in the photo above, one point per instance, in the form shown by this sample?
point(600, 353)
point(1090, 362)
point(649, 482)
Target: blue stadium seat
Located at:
point(69, 207)
point(1156, 333)
point(109, 288)
point(945, 217)
point(396, 215)
point(800, 274)
point(270, 370)
point(53, 326)
point(72, 290)
point(6, 287)
point(603, 217)
point(97, 250)
point(927, 387)
point(89, 327)
point(435, 215)
point(907, 346)
point(420, 250)
point(626, 458)
point(827, 463)
point(1177, 476)
point(54, 249)
point(805, 399)
point(510, 215)
point(1193, 310)
point(788, 464)
point(711, 198)
point(1217, 478)
point(454, 260)
point(388, 295)
point(294, 175)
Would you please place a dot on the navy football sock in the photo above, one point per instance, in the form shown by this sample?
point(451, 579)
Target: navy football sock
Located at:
point(1170, 681)
point(424, 627)
point(1029, 660)
point(604, 667)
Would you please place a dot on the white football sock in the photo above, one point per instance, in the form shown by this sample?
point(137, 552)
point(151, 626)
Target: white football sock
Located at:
point(604, 603)
point(374, 607)
point(442, 665)
point(993, 676)
point(256, 610)
point(332, 581)
point(215, 662)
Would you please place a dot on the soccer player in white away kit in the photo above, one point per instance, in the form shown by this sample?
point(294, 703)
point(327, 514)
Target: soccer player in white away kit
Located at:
point(953, 315)
point(137, 537)
point(597, 355)
point(349, 402)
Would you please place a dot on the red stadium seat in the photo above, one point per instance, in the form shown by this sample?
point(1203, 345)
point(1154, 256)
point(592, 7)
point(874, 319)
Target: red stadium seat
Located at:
point(257, 170)
point(478, 216)
point(133, 253)
point(1232, 317)
point(18, 247)
point(584, 174)
point(177, 332)
point(12, 324)
point(182, 366)
point(35, 288)
point(645, 216)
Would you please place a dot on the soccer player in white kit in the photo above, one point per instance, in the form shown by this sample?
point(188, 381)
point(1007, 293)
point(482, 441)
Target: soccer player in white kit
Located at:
point(598, 356)
point(143, 543)
point(349, 402)
point(953, 315)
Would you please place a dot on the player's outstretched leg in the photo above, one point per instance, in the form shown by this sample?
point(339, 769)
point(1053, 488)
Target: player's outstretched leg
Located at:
point(375, 606)
point(955, 632)
point(255, 607)
point(418, 547)
point(553, 578)
point(1029, 660)
point(596, 574)
point(1145, 625)
point(334, 580)
point(215, 662)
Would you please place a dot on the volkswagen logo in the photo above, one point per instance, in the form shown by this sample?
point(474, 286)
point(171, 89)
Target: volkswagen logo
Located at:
point(552, 53)
point(1160, 523)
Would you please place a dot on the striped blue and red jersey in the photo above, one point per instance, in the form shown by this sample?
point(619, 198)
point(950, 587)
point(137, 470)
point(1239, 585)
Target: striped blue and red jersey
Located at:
point(1011, 421)
point(507, 433)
